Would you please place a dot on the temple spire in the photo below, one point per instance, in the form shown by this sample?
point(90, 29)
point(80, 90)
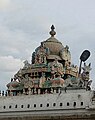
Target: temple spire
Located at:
point(52, 32)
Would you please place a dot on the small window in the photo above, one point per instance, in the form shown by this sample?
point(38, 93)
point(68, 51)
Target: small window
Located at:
point(28, 106)
point(61, 104)
point(81, 103)
point(47, 104)
point(4, 107)
point(15, 106)
point(74, 103)
point(10, 106)
point(21, 106)
point(41, 105)
point(54, 104)
point(67, 103)
point(34, 105)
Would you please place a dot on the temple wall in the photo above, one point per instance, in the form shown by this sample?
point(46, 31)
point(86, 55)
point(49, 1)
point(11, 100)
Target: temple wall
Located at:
point(48, 106)
point(80, 117)
point(71, 99)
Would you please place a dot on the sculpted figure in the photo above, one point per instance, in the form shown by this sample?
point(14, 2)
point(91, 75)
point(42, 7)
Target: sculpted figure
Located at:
point(72, 81)
point(18, 75)
point(41, 54)
point(42, 80)
point(65, 54)
point(68, 81)
point(56, 68)
point(26, 64)
point(57, 82)
point(85, 73)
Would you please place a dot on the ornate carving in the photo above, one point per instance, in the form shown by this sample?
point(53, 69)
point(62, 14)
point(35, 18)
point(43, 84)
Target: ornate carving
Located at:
point(46, 73)
point(65, 54)
point(57, 82)
point(56, 68)
point(85, 73)
point(42, 80)
point(40, 54)
point(26, 64)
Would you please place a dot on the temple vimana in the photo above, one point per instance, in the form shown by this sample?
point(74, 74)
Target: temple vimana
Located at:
point(49, 70)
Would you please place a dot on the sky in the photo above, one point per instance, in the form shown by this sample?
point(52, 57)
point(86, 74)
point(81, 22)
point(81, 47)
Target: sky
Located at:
point(25, 23)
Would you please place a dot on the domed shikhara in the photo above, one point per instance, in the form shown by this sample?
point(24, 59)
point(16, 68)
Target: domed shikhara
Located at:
point(54, 46)
point(50, 67)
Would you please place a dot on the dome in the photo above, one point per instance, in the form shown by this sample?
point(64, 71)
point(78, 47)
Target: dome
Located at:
point(50, 48)
point(54, 45)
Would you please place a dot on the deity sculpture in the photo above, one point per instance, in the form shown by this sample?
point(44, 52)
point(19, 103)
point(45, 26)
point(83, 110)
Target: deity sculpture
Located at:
point(56, 68)
point(41, 54)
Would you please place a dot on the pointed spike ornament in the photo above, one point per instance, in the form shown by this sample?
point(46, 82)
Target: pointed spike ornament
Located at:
point(52, 32)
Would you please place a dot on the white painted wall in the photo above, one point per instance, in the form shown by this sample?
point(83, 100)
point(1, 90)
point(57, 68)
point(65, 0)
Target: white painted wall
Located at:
point(70, 96)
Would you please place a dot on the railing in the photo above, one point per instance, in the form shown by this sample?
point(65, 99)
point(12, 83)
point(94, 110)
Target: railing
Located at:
point(3, 93)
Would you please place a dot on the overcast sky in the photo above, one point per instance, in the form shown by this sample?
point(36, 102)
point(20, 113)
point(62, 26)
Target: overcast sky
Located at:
point(25, 23)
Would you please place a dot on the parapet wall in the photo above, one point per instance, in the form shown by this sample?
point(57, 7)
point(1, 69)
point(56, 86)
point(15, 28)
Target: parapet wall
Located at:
point(74, 117)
